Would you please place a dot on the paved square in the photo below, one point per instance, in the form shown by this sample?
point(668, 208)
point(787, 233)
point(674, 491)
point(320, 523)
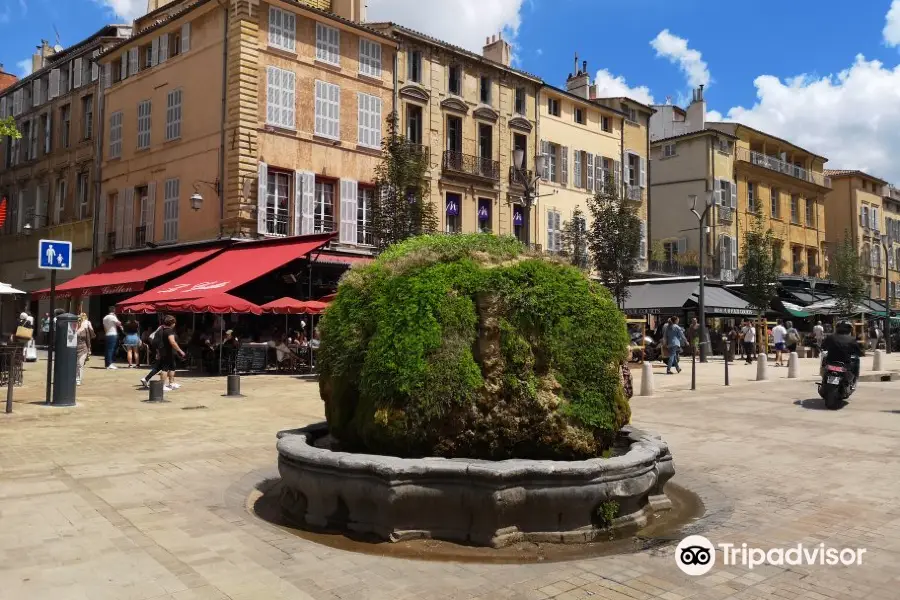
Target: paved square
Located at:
point(120, 499)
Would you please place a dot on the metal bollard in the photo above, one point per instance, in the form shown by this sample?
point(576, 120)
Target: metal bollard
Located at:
point(878, 360)
point(727, 352)
point(793, 363)
point(761, 373)
point(233, 387)
point(156, 391)
point(646, 379)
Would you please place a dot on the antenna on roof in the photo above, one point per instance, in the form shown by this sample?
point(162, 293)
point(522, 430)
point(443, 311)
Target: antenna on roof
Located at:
point(58, 44)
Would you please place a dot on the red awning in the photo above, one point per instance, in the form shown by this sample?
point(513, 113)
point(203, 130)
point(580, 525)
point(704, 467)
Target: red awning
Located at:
point(218, 303)
point(291, 306)
point(314, 307)
point(127, 273)
point(238, 265)
point(139, 309)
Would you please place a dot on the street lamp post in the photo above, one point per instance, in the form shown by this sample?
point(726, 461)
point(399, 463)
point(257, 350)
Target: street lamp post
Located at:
point(530, 185)
point(701, 218)
point(887, 243)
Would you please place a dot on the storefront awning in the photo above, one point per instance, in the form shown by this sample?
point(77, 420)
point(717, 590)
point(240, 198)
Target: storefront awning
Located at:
point(673, 298)
point(234, 267)
point(128, 273)
point(795, 310)
point(219, 303)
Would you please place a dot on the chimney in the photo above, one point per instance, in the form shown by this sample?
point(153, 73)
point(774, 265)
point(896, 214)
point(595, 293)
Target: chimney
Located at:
point(353, 10)
point(579, 83)
point(38, 59)
point(695, 117)
point(498, 50)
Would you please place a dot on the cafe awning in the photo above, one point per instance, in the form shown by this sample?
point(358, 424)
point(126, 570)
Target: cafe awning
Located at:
point(674, 298)
point(234, 267)
point(219, 303)
point(292, 306)
point(125, 274)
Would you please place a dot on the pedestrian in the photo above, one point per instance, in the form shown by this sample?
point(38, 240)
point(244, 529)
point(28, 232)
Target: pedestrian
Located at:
point(819, 336)
point(84, 334)
point(792, 338)
point(748, 339)
point(779, 333)
point(153, 344)
point(132, 343)
point(693, 335)
point(675, 340)
point(45, 330)
point(166, 346)
point(663, 340)
point(111, 327)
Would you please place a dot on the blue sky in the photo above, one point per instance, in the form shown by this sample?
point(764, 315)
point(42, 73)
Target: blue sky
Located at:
point(791, 68)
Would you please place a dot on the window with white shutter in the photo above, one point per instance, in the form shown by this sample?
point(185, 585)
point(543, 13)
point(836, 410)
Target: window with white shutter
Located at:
point(365, 198)
point(282, 29)
point(170, 210)
point(115, 135)
point(278, 193)
point(876, 222)
point(554, 231)
point(133, 61)
point(348, 216)
point(545, 152)
point(369, 58)
point(643, 247)
point(143, 124)
point(328, 110)
point(328, 44)
point(280, 98)
point(369, 121)
point(864, 216)
point(95, 68)
point(591, 171)
point(578, 181)
point(173, 115)
point(185, 37)
point(564, 151)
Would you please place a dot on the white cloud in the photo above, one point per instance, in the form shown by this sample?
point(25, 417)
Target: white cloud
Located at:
point(128, 10)
point(609, 85)
point(891, 30)
point(539, 52)
point(688, 60)
point(851, 117)
point(24, 66)
point(465, 23)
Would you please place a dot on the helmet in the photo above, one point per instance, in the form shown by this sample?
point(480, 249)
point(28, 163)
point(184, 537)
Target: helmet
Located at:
point(844, 328)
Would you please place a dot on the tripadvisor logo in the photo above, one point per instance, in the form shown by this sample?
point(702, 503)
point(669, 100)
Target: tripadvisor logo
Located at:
point(696, 555)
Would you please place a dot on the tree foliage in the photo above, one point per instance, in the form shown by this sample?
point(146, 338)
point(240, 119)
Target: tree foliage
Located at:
point(614, 240)
point(575, 240)
point(846, 271)
point(8, 128)
point(760, 271)
point(401, 207)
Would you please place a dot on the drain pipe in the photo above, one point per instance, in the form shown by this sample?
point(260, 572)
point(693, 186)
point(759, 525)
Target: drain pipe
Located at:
point(221, 179)
point(98, 168)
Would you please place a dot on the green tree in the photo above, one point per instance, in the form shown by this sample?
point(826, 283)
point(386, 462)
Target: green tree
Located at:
point(8, 128)
point(614, 239)
point(401, 208)
point(760, 271)
point(575, 240)
point(846, 271)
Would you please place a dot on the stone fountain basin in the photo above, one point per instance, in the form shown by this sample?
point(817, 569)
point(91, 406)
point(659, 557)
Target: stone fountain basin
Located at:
point(479, 502)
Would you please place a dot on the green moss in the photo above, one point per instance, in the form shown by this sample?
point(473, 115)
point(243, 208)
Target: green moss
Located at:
point(464, 346)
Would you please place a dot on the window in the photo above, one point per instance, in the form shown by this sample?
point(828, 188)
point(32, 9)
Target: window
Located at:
point(606, 123)
point(797, 259)
point(751, 196)
point(520, 101)
point(520, 142)
point(65, 114)
point(115, 135)
point(723, 146)
point(147, 53)
point(776, 254)
point(414, 66)
point(578, 173)
point(175, 44)
point(580, 116)
point(454, 82)
point(454, 134)
point(369, 121)
point(414, 123)
point(87, 110)
point(810, 212)
point(328, 110)
point(776, 204)
point(454, 213)
point(631, 114)
point(795, 209)
point(280, 93)
point(553, 106)
point(369, 58)
point(554, 231)
point(328, 44)
point(876, 222)
point(33, 139)
point(60, 203)
point(485, 90)
point(365, 199)
point(64, 78)
point(864, 216)
point(82, 191)
point(876, 256)
point(143, 125)
point(282, 29)
point(669, 150)
point(484, 215)
point(812, 262)
point(727, 195)
point(551, 162)
point(173, 115)
point(170, 210)
point(278, 187)
point(323, 212)
point(45, 123)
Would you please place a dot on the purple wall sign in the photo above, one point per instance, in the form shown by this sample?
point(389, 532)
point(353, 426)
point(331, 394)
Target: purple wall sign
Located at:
point(484, 210)
point(518, 218)
point(452, 206)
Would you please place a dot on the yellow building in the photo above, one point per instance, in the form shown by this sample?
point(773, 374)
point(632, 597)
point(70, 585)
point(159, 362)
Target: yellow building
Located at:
point(469, 112)
point(891, 204)
point(864, 208)
point(271, 128)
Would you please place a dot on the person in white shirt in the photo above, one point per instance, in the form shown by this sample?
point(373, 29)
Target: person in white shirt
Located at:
point(778, 335)
point(748, 335)
point(819, 335)
point(111, 327)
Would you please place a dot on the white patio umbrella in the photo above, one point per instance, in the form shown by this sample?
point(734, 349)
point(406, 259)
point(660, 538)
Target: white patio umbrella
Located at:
point(8, 290)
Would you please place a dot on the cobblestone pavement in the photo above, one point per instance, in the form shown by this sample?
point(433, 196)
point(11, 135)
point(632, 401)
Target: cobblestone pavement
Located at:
point(118, 498)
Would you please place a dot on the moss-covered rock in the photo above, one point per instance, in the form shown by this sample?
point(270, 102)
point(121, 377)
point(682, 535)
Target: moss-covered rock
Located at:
point(465, 346)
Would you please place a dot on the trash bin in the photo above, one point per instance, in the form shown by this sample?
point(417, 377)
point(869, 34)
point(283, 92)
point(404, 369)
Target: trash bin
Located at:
point(65, 359)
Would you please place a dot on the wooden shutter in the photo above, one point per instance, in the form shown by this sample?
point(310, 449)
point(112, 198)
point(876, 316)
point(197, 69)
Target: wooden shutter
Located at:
point(128, 239)
point(150, 224)
point(262, 187)
point(95, 68)
point(734, 257)
point(642, 162)
point(549, 230)
point(349, 203)
point(185, 37)
point(565, 165)
point(599, 179)
point(617, 175)
point(307, 205)
point(154, 51)
point(163, 48)
point(734, 194)
point(577, 172)
point(590, 171)
point(545, 151)
point(717, 191)
point(54, 84)
point(643, 239)
point(107, 76)
point(298, 202)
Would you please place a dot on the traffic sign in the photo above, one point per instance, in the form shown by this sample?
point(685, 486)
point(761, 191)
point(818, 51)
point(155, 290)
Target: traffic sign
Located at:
point(55, 255)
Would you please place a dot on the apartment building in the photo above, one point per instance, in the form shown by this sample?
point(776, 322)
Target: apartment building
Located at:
point(245, 120)
point(469, 113)
point(891, 205)
point(864, 208)
point(48, 176)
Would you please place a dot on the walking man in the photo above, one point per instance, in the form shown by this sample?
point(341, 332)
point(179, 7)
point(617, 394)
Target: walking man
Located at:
point(111, 327)
point(675, 339)
point(167, 350)
point(778, 337)
point(748, 336)
point(819, 335)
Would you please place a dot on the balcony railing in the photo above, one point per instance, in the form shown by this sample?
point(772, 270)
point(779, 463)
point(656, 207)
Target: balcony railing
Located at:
point(140, 236)
point(325, 225)
point(365, 237)
point(786, 168)
point(634, 193)
point(676, 268)
point(466, 164)
point(417, 148)
point(520, 177)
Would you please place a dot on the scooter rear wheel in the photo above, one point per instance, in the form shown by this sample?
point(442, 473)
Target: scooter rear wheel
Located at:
point(832, 396)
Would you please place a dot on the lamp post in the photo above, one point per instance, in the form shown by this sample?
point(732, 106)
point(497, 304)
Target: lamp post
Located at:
point(530, 185)
point(887, 243)
point(701, 218)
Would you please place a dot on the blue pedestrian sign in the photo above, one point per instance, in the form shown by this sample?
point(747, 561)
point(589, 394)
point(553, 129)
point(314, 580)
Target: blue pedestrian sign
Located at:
point(55, 255)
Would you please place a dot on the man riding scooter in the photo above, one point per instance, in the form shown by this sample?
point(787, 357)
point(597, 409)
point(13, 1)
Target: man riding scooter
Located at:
point(842, 347)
